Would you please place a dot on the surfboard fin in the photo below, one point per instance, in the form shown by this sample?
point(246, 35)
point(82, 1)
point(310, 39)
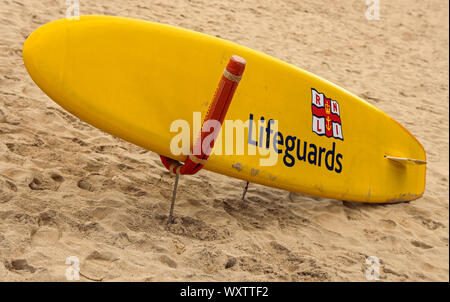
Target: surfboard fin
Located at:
point(404, 160)
point(174, 195)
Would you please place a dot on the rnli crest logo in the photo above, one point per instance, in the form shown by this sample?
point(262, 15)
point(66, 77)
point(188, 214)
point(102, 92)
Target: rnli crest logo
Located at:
point(326, 117)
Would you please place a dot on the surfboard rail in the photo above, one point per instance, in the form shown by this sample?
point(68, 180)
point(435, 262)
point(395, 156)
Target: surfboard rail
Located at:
point(134, 99)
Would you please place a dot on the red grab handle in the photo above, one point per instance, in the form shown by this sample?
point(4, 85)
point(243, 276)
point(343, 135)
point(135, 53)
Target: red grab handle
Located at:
point(217, 111)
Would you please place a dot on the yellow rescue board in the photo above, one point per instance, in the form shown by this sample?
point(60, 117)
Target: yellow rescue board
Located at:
point(133, 78)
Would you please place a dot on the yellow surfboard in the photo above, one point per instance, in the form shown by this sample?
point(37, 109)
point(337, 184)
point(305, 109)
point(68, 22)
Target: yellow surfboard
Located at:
point(134, 78)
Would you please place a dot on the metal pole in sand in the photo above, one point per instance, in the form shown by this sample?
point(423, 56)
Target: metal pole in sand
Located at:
point(245, 191)
point(174, 195)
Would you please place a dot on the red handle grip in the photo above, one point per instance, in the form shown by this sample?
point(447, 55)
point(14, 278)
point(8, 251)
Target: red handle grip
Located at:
point(217, 111)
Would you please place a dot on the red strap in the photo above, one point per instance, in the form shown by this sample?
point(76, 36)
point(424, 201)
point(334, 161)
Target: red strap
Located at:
point(216, 111)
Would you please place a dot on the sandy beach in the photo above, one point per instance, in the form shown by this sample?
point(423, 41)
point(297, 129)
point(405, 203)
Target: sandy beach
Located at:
point(69, 189)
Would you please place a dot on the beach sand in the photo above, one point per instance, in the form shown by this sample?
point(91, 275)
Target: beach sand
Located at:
point(68, 189)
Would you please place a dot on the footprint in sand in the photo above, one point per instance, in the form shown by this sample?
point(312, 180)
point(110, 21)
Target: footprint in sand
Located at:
point(19, 149)
point(102, 212)
point(98, 265)
point(134, 190)
point(388, 224)
point(19, 265)
point(428, 223)
point(48, 232)
point(79, 142)
point(45, 236)
point(7, 190)
point(57, 177)
point(421, 244)
point(231, 261)
point(2, 117)
point(168, 261)
point(41, 182)
point(194, 202)
point(85, 185)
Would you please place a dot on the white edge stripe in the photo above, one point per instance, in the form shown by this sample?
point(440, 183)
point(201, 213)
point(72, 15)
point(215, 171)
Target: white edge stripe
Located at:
point(231, 76)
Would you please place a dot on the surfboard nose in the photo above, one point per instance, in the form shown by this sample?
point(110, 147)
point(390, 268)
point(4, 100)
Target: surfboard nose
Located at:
point(43, 54)
point(27, 51)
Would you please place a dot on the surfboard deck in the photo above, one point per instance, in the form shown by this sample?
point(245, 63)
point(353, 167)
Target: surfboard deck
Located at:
point(133, 78)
